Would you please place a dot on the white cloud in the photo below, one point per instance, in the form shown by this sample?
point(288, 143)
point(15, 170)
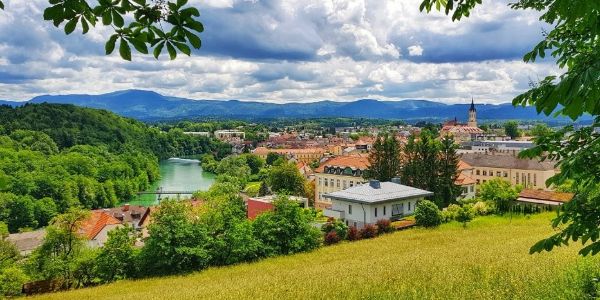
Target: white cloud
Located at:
point(279, 51)
point(415, 50)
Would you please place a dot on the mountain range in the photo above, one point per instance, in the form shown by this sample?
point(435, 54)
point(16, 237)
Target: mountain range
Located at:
point(152, 106)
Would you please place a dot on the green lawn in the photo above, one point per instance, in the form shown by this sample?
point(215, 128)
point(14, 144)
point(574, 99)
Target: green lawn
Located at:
point(488, 260)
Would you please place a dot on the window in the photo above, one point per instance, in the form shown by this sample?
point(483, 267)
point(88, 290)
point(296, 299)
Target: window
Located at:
point(498, 173)
point(331, 182)
point(517, 177)
point(354, 224)
point(534, 179)
point(477, 172)
point(384, 210)
point(338, 183)
point(484, 173)
point(350, 209)
point(320, 181)
point(491, 172)
point(345, 184)
point(351, 183)
point(397, 209)
point(376, 212)
point(325, 181)
point(528, 179)
point(408, 205)
point(478, 181)
point(505, 174)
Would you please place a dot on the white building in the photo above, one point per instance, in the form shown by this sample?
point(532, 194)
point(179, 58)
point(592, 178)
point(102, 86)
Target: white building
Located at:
point(373, 201)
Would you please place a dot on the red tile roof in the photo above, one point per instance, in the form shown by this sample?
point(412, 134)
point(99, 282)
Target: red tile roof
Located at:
point(465, 129)
point(96, 222)
point(264, 150)
point(358, 162)
point(546, 195)
point(463, 179)
point(464, 166)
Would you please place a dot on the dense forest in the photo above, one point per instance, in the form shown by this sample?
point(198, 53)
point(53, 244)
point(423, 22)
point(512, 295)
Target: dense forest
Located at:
point(53, 157)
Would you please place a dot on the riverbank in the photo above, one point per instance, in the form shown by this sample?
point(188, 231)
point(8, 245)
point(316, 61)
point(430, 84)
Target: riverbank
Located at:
point(177, 174)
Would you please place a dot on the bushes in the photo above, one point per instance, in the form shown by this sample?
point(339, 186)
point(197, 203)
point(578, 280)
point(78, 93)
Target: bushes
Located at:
point(427, 214)
point(368, 231)
point(353, 234)
point(465, 214)
point(338, 226)
point(384, 226)
point(331, 238)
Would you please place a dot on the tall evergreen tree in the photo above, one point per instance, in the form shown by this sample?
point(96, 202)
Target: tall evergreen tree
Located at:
point(263, 190)
point(431, 165)
point(384, 158)
point(448, 171)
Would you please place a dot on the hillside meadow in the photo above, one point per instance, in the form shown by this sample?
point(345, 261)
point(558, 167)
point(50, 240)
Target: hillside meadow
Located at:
point(488, 260)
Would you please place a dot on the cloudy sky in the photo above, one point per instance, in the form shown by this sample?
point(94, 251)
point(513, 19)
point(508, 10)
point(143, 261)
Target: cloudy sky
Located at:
point(289, 51)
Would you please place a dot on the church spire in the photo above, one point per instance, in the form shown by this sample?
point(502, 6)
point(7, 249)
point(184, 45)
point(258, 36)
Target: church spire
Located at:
point(472, 105)
point(472, 115)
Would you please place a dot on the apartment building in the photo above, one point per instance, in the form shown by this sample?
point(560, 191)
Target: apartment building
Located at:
point(306, 155)
point(530, 173)
point(336, 174)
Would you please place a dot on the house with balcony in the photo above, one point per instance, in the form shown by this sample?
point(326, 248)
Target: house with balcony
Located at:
point(373, 201)
point(337, 174)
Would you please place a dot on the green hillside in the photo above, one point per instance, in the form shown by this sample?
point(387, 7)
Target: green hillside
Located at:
point(488, 260)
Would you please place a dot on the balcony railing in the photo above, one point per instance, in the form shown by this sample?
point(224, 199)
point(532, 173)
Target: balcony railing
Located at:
point(332, 213)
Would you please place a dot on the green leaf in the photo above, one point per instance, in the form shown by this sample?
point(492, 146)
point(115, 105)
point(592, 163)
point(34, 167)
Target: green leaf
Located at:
point(84, 25)
point(53, 12)
point(194, 39)
point(125, 50)
point(181, 3)
point(195, 25)
point(70, 26)
point(117, 19)
point(190, 11)
point(110, 44)
point(1, 5)
point(183, 48)
point(106, 17)
point(172, 51)
point(140, 46)
point(158, 49)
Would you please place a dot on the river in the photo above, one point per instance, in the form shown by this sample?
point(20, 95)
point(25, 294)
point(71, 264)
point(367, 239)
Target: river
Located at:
point(177, 174)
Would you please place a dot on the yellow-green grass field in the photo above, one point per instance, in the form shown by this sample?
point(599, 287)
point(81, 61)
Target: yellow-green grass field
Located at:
point(488, 260)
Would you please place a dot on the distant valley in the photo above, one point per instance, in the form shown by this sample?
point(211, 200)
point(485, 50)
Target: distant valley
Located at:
point(151, 106)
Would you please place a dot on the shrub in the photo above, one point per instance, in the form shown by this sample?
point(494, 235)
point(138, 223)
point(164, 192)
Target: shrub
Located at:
point(427, 214)
point(11, 280)
point(384, 226)
point(465, 214)
point(331, 238)
point(340, 228)
point(368, 232)
point(353, 234)
point(480, 208)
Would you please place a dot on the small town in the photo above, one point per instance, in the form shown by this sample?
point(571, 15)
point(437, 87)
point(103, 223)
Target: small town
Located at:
point(352, 149)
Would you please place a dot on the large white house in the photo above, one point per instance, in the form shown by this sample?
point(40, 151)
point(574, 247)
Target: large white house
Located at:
point(373, 201)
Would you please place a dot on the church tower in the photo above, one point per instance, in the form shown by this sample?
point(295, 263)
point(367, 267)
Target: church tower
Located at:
point(472, 115)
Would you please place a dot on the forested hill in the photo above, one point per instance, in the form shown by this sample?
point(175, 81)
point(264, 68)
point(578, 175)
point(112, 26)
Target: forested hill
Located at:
point(55, 156)
point(70, 125)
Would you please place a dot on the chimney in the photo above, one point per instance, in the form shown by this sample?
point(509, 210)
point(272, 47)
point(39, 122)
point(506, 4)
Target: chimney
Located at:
point(396, 180)
point(126, 207)
point(374, 183)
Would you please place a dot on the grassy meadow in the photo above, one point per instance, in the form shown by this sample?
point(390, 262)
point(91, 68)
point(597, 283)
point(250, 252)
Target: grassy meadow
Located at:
point(488, 260)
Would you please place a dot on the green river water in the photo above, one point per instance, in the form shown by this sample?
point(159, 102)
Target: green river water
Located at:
point(177, 174)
